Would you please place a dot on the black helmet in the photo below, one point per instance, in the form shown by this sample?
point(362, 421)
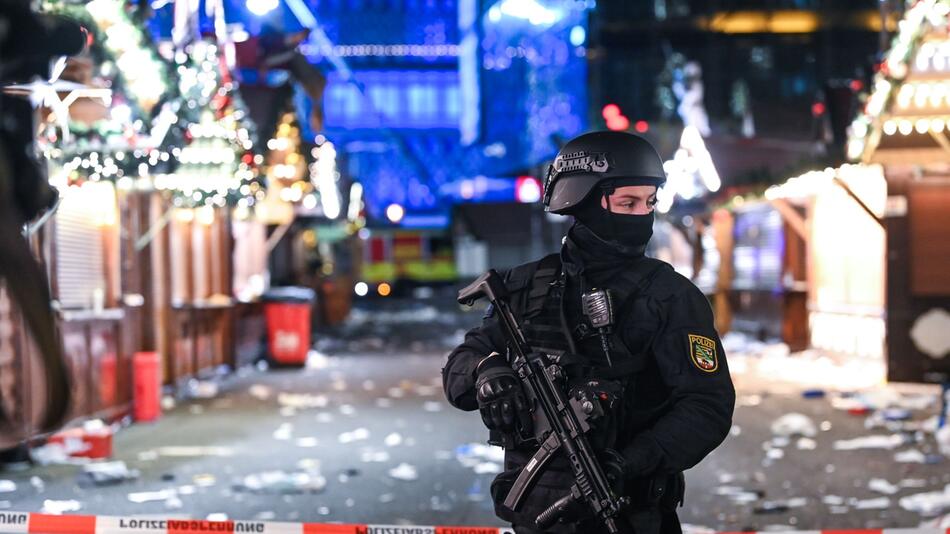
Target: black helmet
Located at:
point(591, 158)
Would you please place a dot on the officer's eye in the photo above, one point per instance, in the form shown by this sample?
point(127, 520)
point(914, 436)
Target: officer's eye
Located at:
point(652, 201)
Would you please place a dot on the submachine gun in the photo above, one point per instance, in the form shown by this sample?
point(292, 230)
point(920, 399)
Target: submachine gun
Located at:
point(562, 423)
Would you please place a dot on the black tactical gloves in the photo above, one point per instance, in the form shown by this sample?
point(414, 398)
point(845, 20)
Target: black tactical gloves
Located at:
point(501, 400)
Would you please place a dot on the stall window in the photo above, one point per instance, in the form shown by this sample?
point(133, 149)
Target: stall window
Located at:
point(759, 246)
point(86, 238)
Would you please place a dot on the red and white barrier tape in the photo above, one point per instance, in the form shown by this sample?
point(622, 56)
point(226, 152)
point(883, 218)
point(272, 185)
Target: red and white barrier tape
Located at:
point(25, 522)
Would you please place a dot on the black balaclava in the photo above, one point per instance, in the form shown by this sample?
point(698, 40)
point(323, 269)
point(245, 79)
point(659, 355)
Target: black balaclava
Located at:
point(626, 234)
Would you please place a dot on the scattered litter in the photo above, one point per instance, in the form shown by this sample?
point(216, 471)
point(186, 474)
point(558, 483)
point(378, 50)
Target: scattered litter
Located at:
point(913, 483)
point(474, 454)
point(7, 486)
point(794, 424)
point(168, 403)
point(204, 480)
point(107, 473)
point(372, 456)
point(148, 456)
point(806, 444)
point(777, 441)
point(260, 392)
point(347, 409)
point(833, 500)
point(60, 507)
point(775, 454)
point(308, 442)
point(870, 442)
point(426, 391)
point(778, 507)
point(813, 394)
point(735, 430)
point(738, 494)
point(151, 496)
point(432, 406)
point(309, 464)
point(895, 414)
point(929, 503)
point(37, 483)
point(60, 452)
point(356, 435)
point(283, 482)
point(825, 426)
point(284, 432)
point(387, 497)
point(943, 439)
point(880, 503)
point(404, 471)
point(266, 515)
point(302, 400)
point(193, 451)
point(202, 389)
point(393, 440)
point(749, 400)
point(882, 486)
point(910, 456)
point(217, 516)
point(485, 468)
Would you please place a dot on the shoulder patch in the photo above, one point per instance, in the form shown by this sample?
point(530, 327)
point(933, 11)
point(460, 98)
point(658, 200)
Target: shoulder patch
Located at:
point(702, 352)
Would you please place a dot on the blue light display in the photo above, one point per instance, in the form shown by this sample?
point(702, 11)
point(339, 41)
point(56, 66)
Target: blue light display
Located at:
point(532, 80)
point(401, 118)
point(398, 99)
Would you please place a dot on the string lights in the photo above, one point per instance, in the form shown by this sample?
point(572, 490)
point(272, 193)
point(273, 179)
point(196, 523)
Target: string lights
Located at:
point(928, 100)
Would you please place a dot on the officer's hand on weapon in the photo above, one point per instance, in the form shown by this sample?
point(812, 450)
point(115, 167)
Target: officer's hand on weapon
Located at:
point(615, 469)
point(501, 400)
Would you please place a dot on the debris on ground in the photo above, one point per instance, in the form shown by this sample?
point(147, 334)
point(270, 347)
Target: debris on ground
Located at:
point(7, 486)
point(871, 442)
point(928, 503)
point(356, 435)
point(405, 472)
point(281, 482)
point(106, 474)
point(794, 424)
point(55, 507)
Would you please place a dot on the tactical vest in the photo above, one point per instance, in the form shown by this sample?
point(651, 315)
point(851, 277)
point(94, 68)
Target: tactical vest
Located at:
point(545, 322)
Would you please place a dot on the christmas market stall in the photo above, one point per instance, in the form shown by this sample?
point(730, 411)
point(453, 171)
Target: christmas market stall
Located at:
point(903, 129)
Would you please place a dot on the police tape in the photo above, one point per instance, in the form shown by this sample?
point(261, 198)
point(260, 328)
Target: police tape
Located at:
point(33, 523)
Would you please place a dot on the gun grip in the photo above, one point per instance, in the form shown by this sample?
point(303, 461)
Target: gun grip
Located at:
point(488, 285)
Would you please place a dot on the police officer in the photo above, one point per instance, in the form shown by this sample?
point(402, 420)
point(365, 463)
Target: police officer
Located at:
point(660, 363)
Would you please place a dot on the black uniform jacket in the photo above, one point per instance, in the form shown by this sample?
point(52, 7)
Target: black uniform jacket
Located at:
point(678, 406)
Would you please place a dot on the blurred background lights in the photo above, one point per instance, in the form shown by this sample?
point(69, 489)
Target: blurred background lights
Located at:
point(384, 289)
point(527, 189)
point(361, 289)
point(530, 10)
point(261, 7)
point(395, 213)
point(578, 35)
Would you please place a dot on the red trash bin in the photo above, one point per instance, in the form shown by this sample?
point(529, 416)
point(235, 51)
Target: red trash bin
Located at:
point(287, 313)
point(147, 380)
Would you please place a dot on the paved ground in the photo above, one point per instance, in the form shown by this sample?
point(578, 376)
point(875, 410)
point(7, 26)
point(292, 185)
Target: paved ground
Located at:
point(363, 434)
